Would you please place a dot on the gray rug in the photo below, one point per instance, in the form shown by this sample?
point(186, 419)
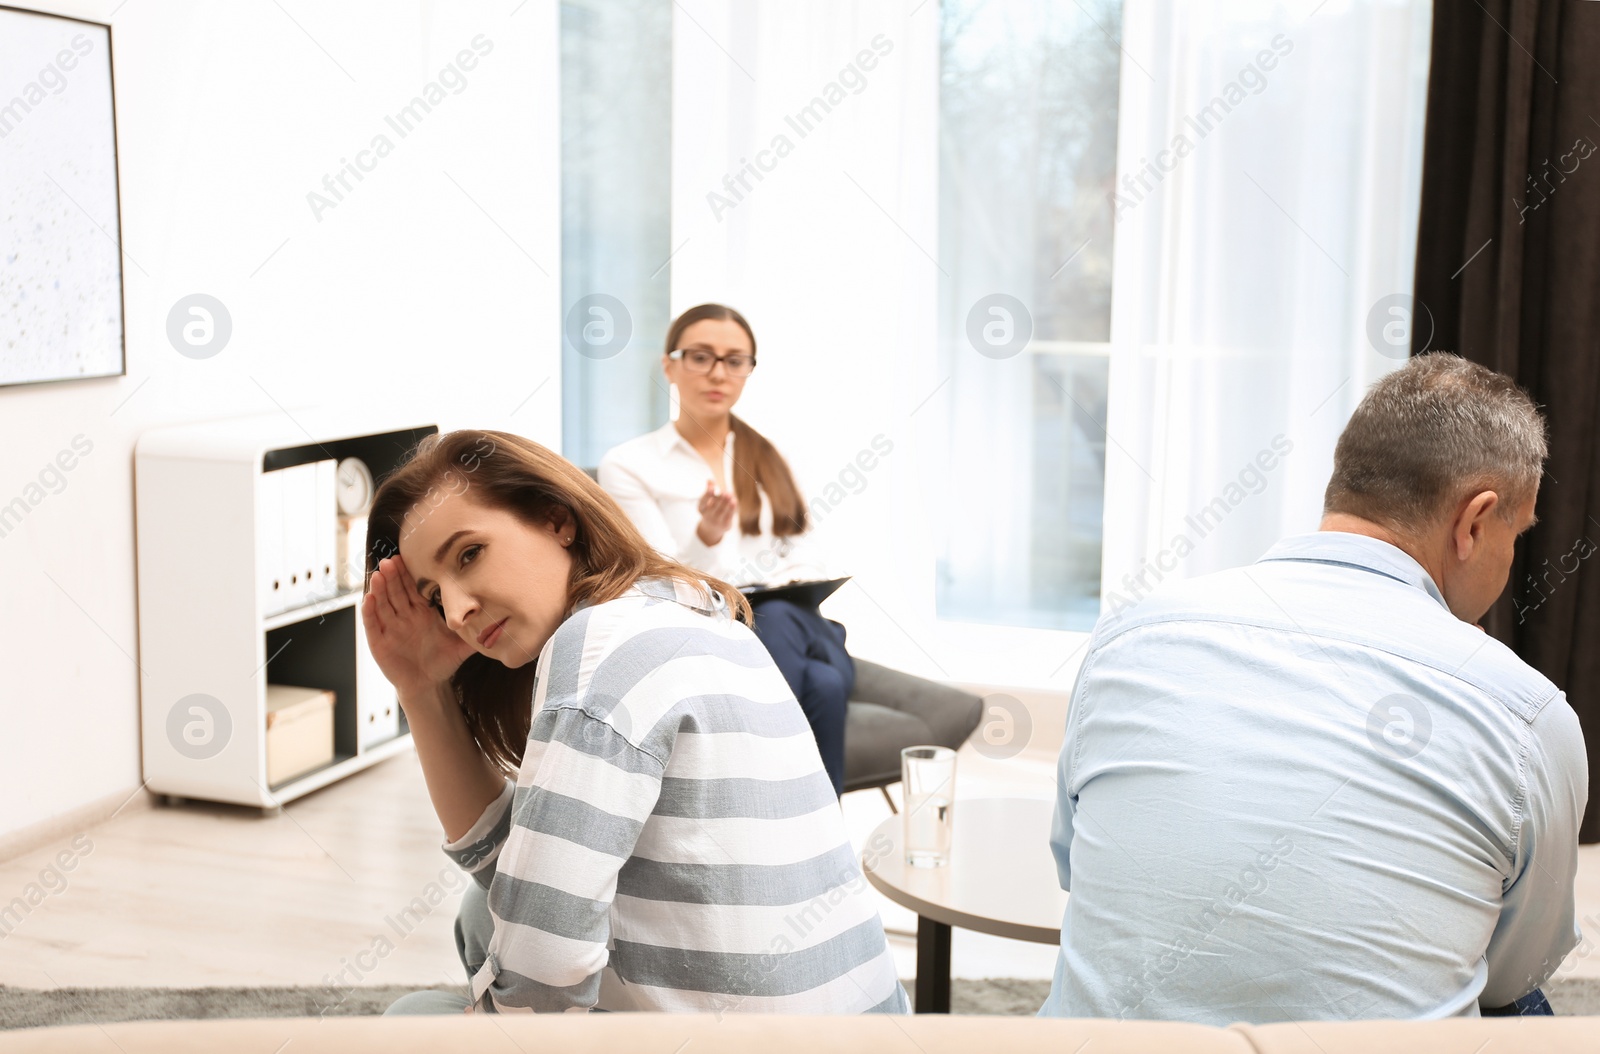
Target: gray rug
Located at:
point(28, 1007)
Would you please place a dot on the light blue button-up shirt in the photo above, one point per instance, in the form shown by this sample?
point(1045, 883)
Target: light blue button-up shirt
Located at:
point(1303, 789)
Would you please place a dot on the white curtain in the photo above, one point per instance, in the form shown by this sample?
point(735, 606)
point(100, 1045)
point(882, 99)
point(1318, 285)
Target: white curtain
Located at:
point(1233, 319)
point(1255, 238)
point(804, 193)
point(1027, 151)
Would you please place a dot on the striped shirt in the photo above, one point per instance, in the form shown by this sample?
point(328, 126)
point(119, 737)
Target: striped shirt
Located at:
point(671, 841)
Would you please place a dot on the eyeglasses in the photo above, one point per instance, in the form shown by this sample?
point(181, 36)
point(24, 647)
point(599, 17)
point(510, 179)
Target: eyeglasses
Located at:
point(698, 360)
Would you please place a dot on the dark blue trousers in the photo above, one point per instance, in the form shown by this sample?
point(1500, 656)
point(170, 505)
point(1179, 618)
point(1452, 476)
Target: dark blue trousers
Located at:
point(809, 650)
point(1534, 1004)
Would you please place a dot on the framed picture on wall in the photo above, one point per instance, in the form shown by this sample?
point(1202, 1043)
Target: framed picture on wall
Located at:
point(61, 303)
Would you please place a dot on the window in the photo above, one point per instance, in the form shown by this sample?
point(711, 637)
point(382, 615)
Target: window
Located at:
point(616, 123)
point(1028, 138)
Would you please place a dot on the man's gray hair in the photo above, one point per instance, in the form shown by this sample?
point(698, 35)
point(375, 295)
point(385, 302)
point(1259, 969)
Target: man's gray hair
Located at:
point(1431, 434)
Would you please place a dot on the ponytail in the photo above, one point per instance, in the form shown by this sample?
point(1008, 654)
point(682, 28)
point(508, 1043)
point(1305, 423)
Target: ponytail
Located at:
point(758, 466)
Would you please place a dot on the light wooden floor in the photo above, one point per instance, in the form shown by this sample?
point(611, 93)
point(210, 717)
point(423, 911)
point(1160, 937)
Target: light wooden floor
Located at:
point(206, 895)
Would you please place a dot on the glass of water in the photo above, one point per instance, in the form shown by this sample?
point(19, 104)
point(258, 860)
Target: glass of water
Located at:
point(928, 784)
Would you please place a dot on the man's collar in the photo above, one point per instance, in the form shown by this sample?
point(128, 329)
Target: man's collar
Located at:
point(1357, 550)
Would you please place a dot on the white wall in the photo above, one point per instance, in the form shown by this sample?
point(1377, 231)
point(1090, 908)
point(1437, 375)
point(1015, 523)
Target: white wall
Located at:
point(430, 289)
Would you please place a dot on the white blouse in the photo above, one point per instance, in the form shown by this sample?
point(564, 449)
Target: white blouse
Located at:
point(658, 479)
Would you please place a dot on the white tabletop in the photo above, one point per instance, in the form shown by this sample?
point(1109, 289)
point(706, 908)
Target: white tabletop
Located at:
point(1001, 878)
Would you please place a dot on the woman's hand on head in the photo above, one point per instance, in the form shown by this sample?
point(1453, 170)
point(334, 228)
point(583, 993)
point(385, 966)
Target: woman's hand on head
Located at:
point(410, 642)
point(716, 514)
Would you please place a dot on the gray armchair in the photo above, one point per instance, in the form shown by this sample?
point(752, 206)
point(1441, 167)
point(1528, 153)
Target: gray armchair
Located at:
point(890, 710)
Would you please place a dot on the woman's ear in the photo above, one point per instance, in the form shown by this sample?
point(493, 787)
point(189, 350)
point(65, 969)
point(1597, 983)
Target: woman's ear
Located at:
point(563, 524)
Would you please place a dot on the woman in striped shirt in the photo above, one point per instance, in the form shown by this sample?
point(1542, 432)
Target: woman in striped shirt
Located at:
point(614, 757)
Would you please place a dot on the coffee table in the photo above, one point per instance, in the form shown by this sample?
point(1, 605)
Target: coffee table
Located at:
point(1001, 879)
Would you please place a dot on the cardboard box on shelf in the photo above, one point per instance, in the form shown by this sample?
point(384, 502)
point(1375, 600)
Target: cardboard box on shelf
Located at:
point(299, 731)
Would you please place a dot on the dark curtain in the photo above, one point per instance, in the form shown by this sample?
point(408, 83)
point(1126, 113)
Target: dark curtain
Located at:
point(1508, 273)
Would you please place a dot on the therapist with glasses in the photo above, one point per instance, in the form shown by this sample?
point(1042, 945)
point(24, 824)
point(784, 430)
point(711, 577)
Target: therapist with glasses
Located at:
point(708, 490)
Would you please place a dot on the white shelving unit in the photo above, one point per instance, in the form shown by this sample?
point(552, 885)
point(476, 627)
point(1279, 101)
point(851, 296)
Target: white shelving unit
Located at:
point(206, 651)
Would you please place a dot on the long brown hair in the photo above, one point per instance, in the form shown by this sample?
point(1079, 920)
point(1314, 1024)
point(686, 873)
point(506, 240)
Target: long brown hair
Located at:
point(509, 472)
point(757, 465)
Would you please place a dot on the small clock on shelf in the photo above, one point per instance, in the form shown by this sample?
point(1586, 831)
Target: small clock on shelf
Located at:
point(355, 489)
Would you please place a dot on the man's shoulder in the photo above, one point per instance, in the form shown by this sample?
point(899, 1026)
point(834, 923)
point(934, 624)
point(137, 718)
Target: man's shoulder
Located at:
point(1397, 621)
point(1495, 668)
point(1212, 597)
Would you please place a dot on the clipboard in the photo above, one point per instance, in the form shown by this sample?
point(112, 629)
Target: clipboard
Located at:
point(806, 594)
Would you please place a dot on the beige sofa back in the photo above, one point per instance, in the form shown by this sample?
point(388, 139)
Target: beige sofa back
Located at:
point(749, 1034)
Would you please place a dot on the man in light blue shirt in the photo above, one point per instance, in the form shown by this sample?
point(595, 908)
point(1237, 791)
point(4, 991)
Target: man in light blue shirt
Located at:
point(1313, 788)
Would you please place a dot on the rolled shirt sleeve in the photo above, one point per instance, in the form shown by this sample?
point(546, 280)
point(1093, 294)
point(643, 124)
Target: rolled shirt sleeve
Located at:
point(476, 851)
